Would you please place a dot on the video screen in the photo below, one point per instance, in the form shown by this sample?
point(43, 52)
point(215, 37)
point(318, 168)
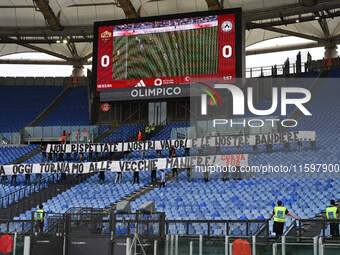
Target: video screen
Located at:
point(160, 51)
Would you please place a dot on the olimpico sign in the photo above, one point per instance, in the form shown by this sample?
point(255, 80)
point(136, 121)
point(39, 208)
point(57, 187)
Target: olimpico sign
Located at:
point(167, 91)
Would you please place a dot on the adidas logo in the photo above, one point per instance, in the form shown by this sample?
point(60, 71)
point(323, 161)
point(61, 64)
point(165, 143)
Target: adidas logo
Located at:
point(140, 84)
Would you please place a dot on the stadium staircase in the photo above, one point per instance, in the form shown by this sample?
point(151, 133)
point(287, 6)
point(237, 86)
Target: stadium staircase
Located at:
point(310, 228)
point(142, 191)
point(138, 193)
point(42, 116)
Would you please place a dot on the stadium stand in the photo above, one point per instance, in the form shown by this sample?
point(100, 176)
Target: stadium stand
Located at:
point(10, 153)
point(75, 104)
point(192, 200)
point(123, 133)
point(21, 104)
point(107, 193)
point(214, 199)
point(143, 71)
point(239, 199)
point(92, 193)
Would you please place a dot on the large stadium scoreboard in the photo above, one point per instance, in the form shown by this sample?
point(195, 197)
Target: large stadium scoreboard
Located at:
point(167, 50)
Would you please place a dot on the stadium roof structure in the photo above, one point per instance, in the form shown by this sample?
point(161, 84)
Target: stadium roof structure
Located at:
point(63, 28)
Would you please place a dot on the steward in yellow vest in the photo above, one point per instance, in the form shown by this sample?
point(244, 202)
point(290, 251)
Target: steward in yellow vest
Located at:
point(39, 216)
point(279, 214)
point(332, 213)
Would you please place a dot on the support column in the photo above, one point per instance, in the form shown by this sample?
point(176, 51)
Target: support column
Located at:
point(243, 48)
point(78, 71)
point(331, 52)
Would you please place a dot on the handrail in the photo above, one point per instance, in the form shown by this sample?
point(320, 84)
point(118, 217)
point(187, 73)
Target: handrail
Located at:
point(60, 222)
point(263, 69)
point(27, 190)
point(291, 226)
point(215, 221)
point(262, 228)
point(24, 223)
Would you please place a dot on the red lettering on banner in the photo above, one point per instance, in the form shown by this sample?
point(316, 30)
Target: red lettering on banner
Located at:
point(233, 160)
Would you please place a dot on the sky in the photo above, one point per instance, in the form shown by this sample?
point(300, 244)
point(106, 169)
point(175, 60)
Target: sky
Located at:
point(269, 59)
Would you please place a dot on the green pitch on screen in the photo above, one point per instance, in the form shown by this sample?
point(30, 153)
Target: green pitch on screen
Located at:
point(179, 53)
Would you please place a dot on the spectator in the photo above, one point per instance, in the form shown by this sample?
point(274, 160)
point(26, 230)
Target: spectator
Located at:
point(4, 179)
point(153, 176)
point(14, 180)
point(102, 176)
point(75, 156)
point(81, 156)
point(313, 144)
point(77, 178)
point(174, 170)
point(68, 156)
point(125, 154)
point(287, 146)
point(69, 136)
point(135, 177)
point(172, 152)
point(63, 137)
point(37, 177)
point(27, 179)
point(43, 152)
point(39, 216)
point(140, 137)
point(225, 174)
point(189, 174)
point(78, 135)
point(269, 147)
point(118, 177)
point(236, 173)
point(85, 135)
point(162, 184)
point(187, 152)
point(206, 174)
point(61, 156)
point(63, 177)
point(299, 144)
point(254, 148)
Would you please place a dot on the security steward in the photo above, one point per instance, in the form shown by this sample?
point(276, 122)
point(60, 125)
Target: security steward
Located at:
point(332, 213)
point(147, 131)
point(279, 214)
point(39, 216)
point(152, 129)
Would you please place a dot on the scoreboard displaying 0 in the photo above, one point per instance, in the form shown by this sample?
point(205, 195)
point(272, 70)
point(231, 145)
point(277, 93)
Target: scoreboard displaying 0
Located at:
point(167, 50)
